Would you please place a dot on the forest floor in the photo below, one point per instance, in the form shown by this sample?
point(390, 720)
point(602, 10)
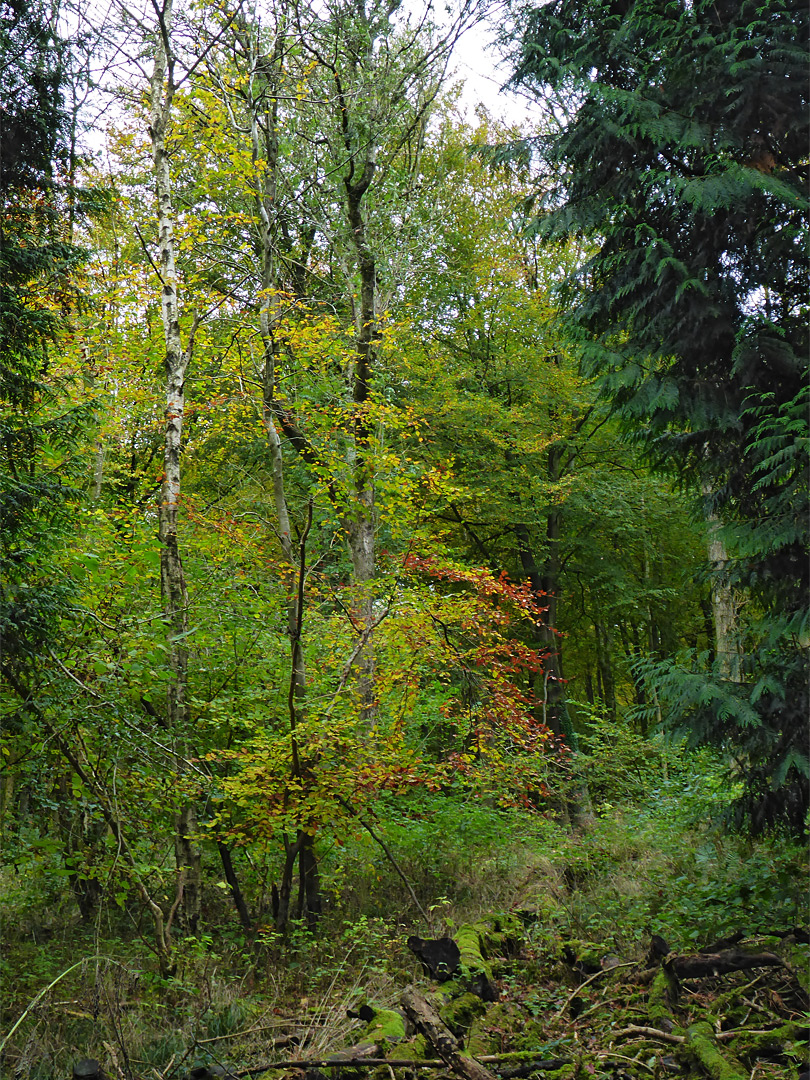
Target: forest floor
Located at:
point(619, 951)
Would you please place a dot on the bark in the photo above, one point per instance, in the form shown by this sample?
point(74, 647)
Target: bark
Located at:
point(604, 642)
point(427, 1020)
point(360, 522)
point(725, 603)
point(282, 895)
point(545, 582)
point(309, 881)
point(172, 578)
point(233, 882)
point(710, 965)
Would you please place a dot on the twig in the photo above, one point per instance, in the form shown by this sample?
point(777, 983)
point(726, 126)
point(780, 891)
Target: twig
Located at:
point(592, 978)
point(620, 1057)
point(149, 256)
point(652, 1033)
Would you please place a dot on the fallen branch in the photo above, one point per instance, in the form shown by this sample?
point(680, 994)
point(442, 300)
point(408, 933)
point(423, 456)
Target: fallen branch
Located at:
point(428, 1021)
point(703, 965)
point(539, 1064)
point(651, 1033)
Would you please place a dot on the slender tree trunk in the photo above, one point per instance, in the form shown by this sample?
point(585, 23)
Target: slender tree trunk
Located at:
point(604, 642)
point(264, 139)
point(360, 523)
point(310, 881)
point(172, 577)
point(236, 891)
point(545, 585)
point(725, 607)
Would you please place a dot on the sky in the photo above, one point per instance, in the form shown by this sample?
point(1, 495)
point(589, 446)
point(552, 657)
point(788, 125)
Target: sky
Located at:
point(476, 62)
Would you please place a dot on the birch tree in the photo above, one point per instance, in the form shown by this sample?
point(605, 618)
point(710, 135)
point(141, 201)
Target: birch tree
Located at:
point(172, 578)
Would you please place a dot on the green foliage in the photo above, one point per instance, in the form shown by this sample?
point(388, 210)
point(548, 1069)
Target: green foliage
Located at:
point(692, 310)
point(42, 420)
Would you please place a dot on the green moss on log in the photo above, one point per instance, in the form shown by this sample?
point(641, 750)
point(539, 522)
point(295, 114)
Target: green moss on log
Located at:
point(415, 1049)
point(748, 1045)
point(385, 1029)
point(703, 1046)
point(567, 1072)
point(505, 1024)
point(663, 996)
point(459, 1013)
point(386, 1026)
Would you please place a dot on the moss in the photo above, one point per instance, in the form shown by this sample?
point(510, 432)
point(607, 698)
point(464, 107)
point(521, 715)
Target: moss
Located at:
point(797, 955)
point(471, 946)
point(565, 1072)
point(385, 1026)
point(503, 1024)
point(702, 1044)
point(501, 933)
point(385, 1029)
point(459, 1013)
point(748, 1045)
point(415, 1049)
point(663, 996)
point(583, 956)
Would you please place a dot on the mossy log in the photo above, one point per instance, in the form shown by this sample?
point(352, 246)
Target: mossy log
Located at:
point(424, 1017)
point(702, 1045)
point(710, 965)
point(384, 1029)
point(751, 1044)
point(459, 1010)
point(474, 967)
point(663, 997)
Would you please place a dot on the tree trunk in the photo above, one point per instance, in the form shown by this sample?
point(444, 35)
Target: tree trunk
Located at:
point(172, 578)
point(604, 642)
point(360, 522)
point(725, 608)
point(545, 585)
point(310, 880)
point(236, 891)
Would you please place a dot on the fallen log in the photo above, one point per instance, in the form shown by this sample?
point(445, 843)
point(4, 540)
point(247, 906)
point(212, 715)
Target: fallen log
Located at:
point(425, 1018)
point(703, 965)
point(702, 1044)
point(708, 965)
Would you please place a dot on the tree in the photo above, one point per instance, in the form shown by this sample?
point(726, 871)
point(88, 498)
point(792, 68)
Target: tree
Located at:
point(680, 148)
point(560, 502)
point(39, 427)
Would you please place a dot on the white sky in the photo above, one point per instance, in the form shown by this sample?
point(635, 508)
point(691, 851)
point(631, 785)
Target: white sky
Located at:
point(476, 61)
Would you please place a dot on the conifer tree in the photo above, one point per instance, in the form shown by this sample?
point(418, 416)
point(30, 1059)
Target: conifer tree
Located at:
point(682, 153)
point(36, 260)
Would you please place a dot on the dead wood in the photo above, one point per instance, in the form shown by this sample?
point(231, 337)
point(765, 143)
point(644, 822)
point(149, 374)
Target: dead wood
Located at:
point(528, 1064)
point(708, 965)
point(425, 1018)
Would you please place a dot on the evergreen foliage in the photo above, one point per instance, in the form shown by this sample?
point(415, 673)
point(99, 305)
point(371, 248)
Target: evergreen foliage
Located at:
point(684, 156)
point(39, 428)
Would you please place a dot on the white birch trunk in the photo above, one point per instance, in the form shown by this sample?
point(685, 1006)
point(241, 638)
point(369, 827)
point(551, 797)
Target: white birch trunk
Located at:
point(172, 578)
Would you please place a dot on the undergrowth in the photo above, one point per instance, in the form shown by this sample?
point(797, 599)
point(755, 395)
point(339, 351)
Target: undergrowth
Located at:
point(646, 857)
